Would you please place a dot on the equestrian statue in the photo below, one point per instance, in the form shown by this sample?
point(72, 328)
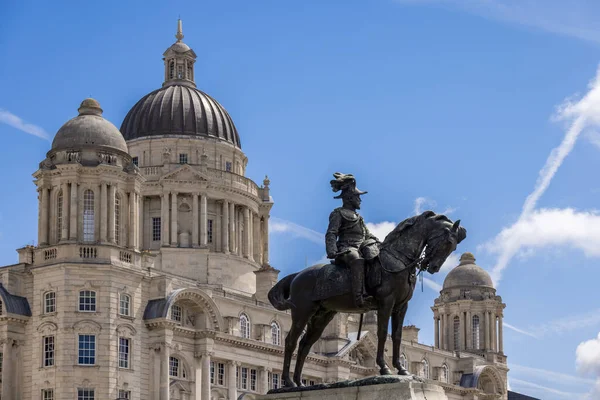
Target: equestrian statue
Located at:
point(364, 274)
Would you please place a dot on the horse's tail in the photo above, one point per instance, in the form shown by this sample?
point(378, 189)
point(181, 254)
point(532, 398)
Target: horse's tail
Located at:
point(280, 293)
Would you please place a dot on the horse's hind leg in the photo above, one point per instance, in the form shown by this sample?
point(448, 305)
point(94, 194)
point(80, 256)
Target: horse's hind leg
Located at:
point(316, 326)
point(300, 317)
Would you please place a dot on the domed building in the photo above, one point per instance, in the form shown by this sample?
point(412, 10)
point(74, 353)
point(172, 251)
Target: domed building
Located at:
point(150, 277)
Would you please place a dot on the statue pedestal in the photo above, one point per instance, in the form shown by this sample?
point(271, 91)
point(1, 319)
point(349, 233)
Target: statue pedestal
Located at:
point(391, 387)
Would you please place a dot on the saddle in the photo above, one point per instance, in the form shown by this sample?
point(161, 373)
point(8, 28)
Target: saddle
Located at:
point(334, 280)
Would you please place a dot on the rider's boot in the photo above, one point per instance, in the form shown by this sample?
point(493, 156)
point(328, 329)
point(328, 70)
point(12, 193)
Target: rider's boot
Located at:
point(357, 271)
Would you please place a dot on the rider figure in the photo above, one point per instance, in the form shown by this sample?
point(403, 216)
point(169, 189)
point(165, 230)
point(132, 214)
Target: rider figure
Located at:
point(348, 241)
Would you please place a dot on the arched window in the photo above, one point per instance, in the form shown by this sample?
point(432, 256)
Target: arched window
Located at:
point(456, 333)
point(89, 225)
point(403, 361)
point(125, 305)
point(245, 326)
point(445, 373)
point(425, 369)
point(476, 342)
point(59, 215)
point(172, 69)
point(275, 333)
point(117, 218)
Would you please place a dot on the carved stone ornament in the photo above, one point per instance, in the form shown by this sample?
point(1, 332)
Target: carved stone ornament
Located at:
point(87, 326)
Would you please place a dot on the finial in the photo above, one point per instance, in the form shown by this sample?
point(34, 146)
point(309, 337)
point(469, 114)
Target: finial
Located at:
point(467, 258)
point(179, 34)
point(266, 181)
point(90, 106)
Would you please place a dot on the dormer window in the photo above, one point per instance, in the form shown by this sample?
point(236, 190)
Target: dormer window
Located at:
point(183, 158)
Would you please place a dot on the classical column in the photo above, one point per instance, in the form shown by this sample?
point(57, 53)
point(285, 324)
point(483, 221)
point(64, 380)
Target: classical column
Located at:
point(131, 241)
point(442, 332)
point(43, 236)
point(203, 221)
point(198, 379)
point(500, 336)
point(494, 340)
point(263, 380)
point(64, 234)
point(164, 373)
point(266, 241)
point(156, 371)
point(206, 376)
point(73, 212)
point(164, 215)
point(140, 229)
point(251, 236)
point(225, 228)
point(195, 220)
point(103, 212)
point(111, 213)
point(487, 330)
point(436, 326)
point(256, 239)
point(232, 380)
point(246, 238)
point(469, 330)
point(7, 369)
point(174, 239)
point(232, 241)
point(463, 333)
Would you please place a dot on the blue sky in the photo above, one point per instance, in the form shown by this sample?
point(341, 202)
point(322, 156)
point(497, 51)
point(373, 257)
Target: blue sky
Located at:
point(464, 107)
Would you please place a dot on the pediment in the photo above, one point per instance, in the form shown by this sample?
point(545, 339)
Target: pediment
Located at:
point(185, 173)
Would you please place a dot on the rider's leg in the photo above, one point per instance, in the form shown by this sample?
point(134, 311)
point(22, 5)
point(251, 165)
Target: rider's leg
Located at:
point(357, 273)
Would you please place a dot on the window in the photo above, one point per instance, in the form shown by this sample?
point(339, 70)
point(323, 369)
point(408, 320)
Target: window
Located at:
point(425, 369)
point(212, 372)
point(209, 233)
point(176, 313)
point(476, 342)
point(49, 302)
point(179, 72)
point(228, 166)
point(155, 229)
point(0, 307)
point(87, 300)
point(125, 394)
point(172, 69)
point(117, 218)
point(134, 160)
point(124, 304)
point(245, 326)
point(173, 366)
point(48, 351)
point(444, 377)
point(59, 215)
point(1, 360)
point(87, 350)
point(221, 374)
point(183, 158)
point(253, 380)
point(275, 333)
point(124, 352)
point(403, 361)
point(89, 224)
point(273, 381)
point(47, 394)
point(456, 333)
point(85, 394)
point(242, 373)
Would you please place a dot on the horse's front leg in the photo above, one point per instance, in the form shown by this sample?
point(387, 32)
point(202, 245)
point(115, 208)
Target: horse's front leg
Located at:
point(383, 318)
point(397, 322)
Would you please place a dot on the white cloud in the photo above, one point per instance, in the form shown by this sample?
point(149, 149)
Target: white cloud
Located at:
point(518, 382)
point(16, 122)
point(582, 115)
point(432, 284)
point(588, 356)
point(381, 229)
point(278, 225)
point(575, 18)
point(422, 203)
point(522, 331)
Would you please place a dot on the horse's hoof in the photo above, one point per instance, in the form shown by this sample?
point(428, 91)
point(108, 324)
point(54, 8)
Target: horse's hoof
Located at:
point(402, 371)
point(288, 383)
point(385, 371)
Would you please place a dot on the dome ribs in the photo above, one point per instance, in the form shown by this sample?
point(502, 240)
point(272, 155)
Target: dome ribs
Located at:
point(153, 116)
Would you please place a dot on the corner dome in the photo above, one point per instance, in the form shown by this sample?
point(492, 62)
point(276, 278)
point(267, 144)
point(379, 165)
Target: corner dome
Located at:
point(89, 129)
point(179, 110)
point(468, 274)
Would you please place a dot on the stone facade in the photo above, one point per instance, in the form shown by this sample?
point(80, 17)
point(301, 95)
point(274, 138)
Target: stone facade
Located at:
point(150, 277)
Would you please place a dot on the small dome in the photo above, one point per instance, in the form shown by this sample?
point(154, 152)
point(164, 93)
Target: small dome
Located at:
point(179, 110)
point(468, 274)
point(89, 129)
point(179, 47)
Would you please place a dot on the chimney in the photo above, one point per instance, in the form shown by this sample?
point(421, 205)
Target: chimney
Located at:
point(410, 333)
point(266, 278)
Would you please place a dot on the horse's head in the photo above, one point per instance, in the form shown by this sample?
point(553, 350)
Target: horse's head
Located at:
point(441, 241)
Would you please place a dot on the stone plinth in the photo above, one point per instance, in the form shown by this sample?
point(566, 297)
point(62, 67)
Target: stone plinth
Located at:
point(374, 388)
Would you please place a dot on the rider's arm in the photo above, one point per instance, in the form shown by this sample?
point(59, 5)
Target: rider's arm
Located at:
point(335, 221)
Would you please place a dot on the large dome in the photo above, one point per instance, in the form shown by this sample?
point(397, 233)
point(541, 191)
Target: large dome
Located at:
point(179, 109)
point(468, 274)
point(88, 129)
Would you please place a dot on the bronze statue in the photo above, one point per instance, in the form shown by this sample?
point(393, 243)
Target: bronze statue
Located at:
point(348, 241)
point(317, 293)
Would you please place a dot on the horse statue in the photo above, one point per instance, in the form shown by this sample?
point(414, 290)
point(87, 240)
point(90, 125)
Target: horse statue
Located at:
point(316, 294)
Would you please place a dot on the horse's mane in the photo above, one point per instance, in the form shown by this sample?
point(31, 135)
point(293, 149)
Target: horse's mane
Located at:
point(407, 223)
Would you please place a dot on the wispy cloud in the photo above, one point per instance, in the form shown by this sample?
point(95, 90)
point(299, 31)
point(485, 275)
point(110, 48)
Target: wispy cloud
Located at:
point(570, 323)
point(278, 225)
point(574, 18)
point(16, 122)
point(549, 376)
point(522, 331)
point(518, 382)
point(425, 203)
point(581, 115)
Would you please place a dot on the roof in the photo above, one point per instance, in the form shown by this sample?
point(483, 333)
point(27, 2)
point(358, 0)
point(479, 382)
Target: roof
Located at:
point(159, 308)
point(467, 273)
point(519, 396)
point(14, 304)
point(179, 109)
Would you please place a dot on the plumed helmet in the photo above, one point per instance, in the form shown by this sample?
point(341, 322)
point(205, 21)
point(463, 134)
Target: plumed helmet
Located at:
point(346, 183)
